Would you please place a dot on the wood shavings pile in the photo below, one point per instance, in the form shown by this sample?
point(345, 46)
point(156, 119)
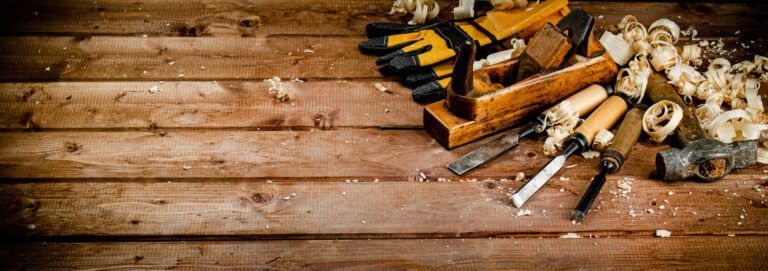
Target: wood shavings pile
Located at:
point(422, 10)
point(732, 109)
point(603, 140)
point(562, 120)
point(625, 186)
point(277, 88)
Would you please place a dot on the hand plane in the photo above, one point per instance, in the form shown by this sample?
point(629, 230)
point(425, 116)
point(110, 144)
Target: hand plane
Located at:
point(480, 103)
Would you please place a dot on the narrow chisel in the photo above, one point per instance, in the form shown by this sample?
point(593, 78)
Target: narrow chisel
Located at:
point(582, 102)
point(612, 159)
point(604, 117)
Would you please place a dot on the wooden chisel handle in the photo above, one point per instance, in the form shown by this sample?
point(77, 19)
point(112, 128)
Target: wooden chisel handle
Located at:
point(604, 117)
point(659, 89)
point(625, 138)
point(586, 99)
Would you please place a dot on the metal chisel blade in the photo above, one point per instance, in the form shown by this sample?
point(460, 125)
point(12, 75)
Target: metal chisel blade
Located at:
point(532, 186)
point(485, 153)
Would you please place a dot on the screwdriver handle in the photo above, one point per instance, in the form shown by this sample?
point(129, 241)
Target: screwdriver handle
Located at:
point(604, 117)
point(625, 138)
point(586, 99)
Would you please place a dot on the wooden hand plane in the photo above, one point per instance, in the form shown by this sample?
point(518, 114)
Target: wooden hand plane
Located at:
point(558, 62)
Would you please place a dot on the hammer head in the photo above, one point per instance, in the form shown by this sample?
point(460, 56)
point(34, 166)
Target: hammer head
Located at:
point(706, 159)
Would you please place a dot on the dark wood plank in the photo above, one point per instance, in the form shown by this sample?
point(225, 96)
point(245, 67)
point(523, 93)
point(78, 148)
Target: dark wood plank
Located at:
point(197, 105)
point(368, 209)
point(274, 17)
point(742, 253)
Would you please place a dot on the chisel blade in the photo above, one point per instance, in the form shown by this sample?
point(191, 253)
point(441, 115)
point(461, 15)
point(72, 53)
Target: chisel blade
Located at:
point(532, 186)
point(484, 154)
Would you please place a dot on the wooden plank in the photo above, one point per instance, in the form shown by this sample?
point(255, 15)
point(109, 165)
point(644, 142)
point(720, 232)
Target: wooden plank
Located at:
point(222, 104)
point(214, 58)
point(174, 58)
point(370, 209)
point(274, 17)
point(328, 155)
point(712, 253)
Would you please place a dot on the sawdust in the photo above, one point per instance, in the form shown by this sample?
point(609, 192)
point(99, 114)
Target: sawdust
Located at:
point(663, 233)
point(277, 88)
point(625, 186)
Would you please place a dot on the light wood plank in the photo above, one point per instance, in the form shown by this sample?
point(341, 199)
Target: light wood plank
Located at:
point(711, 253)
point(332, 155)
point(220, 104)
point(178, 58)
point(274, 17)
point(207, 58)
point(367, 208)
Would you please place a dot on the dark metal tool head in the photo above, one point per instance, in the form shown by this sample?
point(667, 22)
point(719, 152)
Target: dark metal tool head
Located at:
point(706, 159)
point(461, 81)
point(579, 25)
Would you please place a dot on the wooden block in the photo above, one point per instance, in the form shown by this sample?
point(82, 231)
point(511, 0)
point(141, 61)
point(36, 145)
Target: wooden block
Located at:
point(544, 53)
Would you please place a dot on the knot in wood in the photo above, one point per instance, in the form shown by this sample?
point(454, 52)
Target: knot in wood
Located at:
point(261, 197)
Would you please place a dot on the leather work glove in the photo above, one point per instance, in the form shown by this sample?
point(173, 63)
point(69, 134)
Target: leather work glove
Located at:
point(415, 49)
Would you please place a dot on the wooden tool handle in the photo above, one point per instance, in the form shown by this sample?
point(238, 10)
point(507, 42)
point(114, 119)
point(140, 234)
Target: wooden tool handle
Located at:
point(625, 138)
point(658, 90)
point(587, 99)
point(604, 117)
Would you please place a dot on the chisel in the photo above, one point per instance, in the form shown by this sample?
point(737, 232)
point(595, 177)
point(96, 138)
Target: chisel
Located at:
point(604, 117)
point(612, 159)
point(582, 102)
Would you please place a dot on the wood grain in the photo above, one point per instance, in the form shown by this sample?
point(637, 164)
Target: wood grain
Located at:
point(370, 209)
point(207, 58)
point(274, 17)
point(444, 254)
point(179, 58)
point(331, 155)
point(323, 105)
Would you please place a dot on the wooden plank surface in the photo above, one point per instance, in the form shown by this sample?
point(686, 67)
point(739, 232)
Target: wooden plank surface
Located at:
point(368, 208)
point(321, 105)
point(275, 17)
point(711, 253)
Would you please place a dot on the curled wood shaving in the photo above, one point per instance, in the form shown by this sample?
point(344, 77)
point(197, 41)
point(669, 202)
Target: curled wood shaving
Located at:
point(518, 45)
point(465, 9)
point(663, 55)
point(691, 55)
point(661, 119)
point(277, 88)
point(664, 29)
point(603, 140)
point(619, 49)
point(632, 81)
point(422, 10)
point(561, 119)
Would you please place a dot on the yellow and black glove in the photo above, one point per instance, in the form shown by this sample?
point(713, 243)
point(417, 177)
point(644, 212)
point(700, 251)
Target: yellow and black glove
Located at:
point(413, 49)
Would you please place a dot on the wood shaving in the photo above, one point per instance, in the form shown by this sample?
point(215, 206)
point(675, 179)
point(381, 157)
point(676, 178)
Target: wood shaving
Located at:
point(523, 212)
point(381, 87)
point(154, 90)
point(422, 10)
point(661, 119)
point(590, 154)
point(625, 186)
point(570, 235)
point(520, 177)
point(561, 119)
point(603, 140)
point(466, 8)
point(633, 80)
point(663, 233)
point(277, 88)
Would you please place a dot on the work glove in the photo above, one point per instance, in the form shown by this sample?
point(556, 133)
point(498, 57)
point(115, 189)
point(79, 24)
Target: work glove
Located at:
point(415, 49)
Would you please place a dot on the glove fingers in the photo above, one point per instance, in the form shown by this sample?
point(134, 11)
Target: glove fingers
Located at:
point(431, 92)
point(400, 53)
point(401, 64)
point(385, 29)
point(429, 74)
point(387, 44)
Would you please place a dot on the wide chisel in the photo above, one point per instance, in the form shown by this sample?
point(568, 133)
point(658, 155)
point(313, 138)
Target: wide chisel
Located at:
point(582, 102)
point(604, 117)
point(612, 159)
